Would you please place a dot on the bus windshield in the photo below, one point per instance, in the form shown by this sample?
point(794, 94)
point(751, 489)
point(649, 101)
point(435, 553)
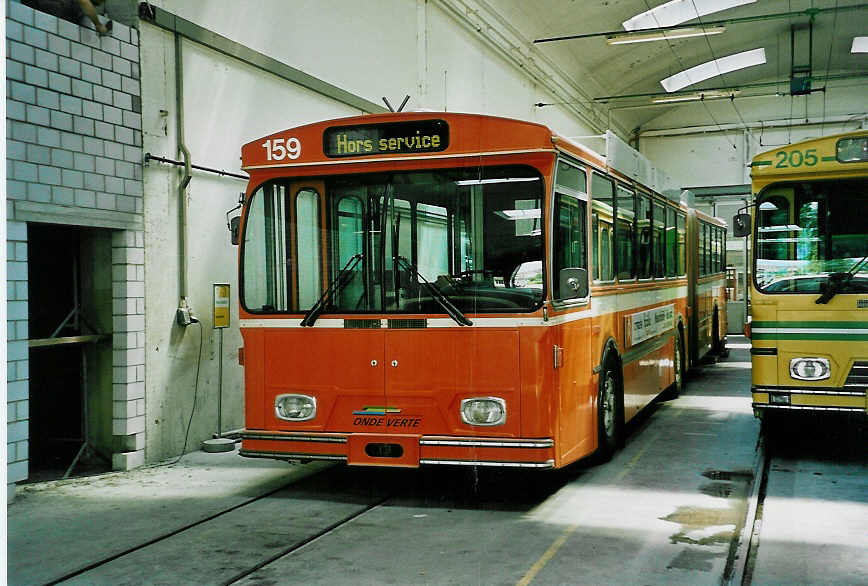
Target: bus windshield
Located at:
point(474, 234)
point(809, 230)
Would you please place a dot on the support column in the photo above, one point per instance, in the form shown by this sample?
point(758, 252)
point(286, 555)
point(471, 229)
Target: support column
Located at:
point(128, 344)
point(17, 357)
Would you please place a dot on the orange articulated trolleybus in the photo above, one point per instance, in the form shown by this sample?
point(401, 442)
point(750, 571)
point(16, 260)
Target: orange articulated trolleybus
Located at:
point(436, 288)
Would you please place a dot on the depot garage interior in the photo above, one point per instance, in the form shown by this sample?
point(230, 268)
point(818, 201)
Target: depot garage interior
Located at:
point(552, 292)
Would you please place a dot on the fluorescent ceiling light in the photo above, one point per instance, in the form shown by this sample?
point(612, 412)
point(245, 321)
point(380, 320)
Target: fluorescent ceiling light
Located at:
point(713, 68)
point(640, 37)
point(678, 11)
point(860, 45)
point(709, 95)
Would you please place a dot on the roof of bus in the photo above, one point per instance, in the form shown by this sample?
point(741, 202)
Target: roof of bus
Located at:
point(815, 155)
point(465, 135)
point(468, 134)
point(711, 219)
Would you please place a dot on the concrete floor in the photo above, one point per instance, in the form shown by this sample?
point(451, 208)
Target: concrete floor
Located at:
point(815, 511)
point(667, 509)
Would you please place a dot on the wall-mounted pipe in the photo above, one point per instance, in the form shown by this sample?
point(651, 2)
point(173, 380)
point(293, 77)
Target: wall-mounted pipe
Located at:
point(221, 172)
point(182, 186)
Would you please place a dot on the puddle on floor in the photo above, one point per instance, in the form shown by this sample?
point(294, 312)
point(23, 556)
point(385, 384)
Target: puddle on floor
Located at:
point(713, 529)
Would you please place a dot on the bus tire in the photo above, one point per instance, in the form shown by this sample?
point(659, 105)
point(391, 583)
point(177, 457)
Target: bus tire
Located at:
point(679, 384)
point(717, 347)
point(609, 420)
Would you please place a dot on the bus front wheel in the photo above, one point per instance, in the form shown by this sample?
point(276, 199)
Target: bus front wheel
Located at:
point(609, 421)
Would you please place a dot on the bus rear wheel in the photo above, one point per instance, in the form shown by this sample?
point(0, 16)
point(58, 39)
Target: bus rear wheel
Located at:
point(718, 348)
point(608, 413)
point(679, 371)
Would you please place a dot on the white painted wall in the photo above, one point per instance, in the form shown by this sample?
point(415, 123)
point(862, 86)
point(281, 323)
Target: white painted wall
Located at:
point(704, 160)
point(372, 49)
point(708, 157)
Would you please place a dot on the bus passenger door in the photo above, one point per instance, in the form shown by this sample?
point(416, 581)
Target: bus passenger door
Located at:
point(571, 352)
point(343, 363)
point(576, 394)
point(429, 371)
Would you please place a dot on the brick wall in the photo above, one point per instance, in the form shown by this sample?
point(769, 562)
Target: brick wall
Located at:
point(74, 113)
point(74, 156)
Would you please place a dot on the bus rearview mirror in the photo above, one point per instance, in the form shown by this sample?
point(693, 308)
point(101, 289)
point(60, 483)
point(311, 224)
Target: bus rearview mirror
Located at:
point(574, 283)
point(741, 225)
point(235, 228)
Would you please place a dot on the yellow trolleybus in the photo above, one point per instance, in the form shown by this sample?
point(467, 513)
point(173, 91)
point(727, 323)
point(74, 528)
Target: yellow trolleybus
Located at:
point(809, 311)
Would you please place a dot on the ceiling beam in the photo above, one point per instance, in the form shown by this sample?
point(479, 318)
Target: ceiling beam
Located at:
point(483, 21)
point(810, 13)
point(764, 125)
point(734, 87)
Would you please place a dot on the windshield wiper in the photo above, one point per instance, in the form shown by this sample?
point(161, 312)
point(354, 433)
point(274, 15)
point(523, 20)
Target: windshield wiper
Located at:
point(438, 295)
point(837, 281)
point(339, 282)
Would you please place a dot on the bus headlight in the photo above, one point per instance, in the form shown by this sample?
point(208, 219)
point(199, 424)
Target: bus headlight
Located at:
point(295, 407)
point(809, 368)
point(483, 411)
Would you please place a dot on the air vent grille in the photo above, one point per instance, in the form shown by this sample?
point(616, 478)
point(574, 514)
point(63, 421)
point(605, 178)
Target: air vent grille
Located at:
point(363, 324)
point(408, 324)
point(858, 376)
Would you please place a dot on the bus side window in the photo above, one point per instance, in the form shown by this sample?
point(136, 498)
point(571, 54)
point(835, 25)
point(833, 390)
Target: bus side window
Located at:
point(711, 250)
point(720, 245)
point(659, 246)
point(570, 239)
point(571, 221)
point(625, 234)
point(603, 206)
point(682, 244)
point(671, 244)
point(643, 229)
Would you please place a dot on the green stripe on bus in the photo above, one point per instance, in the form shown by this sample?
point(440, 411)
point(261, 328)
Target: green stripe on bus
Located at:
point(760, 163)
point(830, 158)
point(807, 336)
point(848, 325)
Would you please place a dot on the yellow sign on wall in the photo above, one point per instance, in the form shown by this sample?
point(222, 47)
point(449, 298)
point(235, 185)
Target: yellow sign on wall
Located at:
point(221, 305)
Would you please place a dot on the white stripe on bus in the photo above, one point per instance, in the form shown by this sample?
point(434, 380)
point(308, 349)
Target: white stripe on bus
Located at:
point(600, 306)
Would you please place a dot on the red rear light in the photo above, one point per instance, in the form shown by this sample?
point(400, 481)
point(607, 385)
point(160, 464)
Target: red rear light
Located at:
point(747, 329)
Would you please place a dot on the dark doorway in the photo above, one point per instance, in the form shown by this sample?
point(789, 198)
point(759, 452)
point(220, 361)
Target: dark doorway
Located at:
point(69, 286)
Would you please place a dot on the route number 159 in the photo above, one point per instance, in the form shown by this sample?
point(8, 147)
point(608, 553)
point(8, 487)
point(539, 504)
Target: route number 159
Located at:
point(278, 149)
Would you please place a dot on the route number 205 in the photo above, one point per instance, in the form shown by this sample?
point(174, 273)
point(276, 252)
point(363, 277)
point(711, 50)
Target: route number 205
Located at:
point(278, 149)
point(796, 158)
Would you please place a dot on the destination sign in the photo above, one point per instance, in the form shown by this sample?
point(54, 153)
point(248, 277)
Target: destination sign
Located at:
point(390, 138)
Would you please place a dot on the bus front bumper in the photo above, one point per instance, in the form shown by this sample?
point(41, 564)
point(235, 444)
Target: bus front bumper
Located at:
point(393, 450)
point(851, 400)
